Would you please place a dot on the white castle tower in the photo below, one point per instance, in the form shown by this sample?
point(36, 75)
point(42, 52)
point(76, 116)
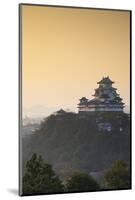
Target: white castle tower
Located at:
point(105, 98)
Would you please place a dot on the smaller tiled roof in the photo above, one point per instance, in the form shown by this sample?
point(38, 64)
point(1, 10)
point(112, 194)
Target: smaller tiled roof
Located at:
point(61, 111)
point(97, 102)
point(101, 88)
point(83, 99)
point(106, 96)
point(115, 102)
point(105, 80)
point(94, 101)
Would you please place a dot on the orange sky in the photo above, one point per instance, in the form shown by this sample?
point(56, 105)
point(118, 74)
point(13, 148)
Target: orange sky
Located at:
point(65, 51)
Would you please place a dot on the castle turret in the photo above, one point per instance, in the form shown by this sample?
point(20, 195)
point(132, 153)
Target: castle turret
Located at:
point(105, 98)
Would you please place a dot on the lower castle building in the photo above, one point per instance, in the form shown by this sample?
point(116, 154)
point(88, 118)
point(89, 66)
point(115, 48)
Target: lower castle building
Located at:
point(105, 98)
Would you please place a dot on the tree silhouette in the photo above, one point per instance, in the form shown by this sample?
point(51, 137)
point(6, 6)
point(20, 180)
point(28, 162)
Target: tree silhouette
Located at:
point(40, 178)
point(81, 182)
point(118, 177)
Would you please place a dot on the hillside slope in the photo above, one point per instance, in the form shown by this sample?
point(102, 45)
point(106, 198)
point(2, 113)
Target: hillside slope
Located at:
point(71, 141)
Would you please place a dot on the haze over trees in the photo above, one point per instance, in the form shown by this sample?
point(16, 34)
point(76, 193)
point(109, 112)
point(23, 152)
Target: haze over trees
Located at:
point(73, 143)
point(40, 178)
point(76, 142)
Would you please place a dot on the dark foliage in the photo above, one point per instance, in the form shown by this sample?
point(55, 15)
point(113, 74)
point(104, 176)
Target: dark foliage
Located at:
point(81, 182)
point(40, 178)
point(75, 141)
point(118, 177)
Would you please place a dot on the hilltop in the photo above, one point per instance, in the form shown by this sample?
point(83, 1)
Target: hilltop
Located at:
point(70, 141)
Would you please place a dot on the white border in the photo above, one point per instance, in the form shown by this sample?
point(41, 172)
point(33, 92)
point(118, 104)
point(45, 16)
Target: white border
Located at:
point(9, 98)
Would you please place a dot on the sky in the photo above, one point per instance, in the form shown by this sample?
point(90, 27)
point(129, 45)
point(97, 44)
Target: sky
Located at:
point(66, 51)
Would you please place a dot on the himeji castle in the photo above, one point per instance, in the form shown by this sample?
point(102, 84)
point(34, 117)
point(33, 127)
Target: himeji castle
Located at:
point(105, 98)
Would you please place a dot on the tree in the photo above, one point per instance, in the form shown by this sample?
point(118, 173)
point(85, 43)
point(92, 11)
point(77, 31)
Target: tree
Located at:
point(81, 182)
point(40, 178)
point(118, 177)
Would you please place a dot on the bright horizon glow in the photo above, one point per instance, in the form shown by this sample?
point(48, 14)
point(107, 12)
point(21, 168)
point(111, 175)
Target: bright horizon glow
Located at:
point(66, 51)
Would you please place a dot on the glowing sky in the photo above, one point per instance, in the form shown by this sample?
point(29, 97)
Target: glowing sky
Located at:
point(66, 51)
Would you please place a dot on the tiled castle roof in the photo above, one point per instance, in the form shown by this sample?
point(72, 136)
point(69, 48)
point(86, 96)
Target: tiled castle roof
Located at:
point(105, 80)
point(104, 95)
